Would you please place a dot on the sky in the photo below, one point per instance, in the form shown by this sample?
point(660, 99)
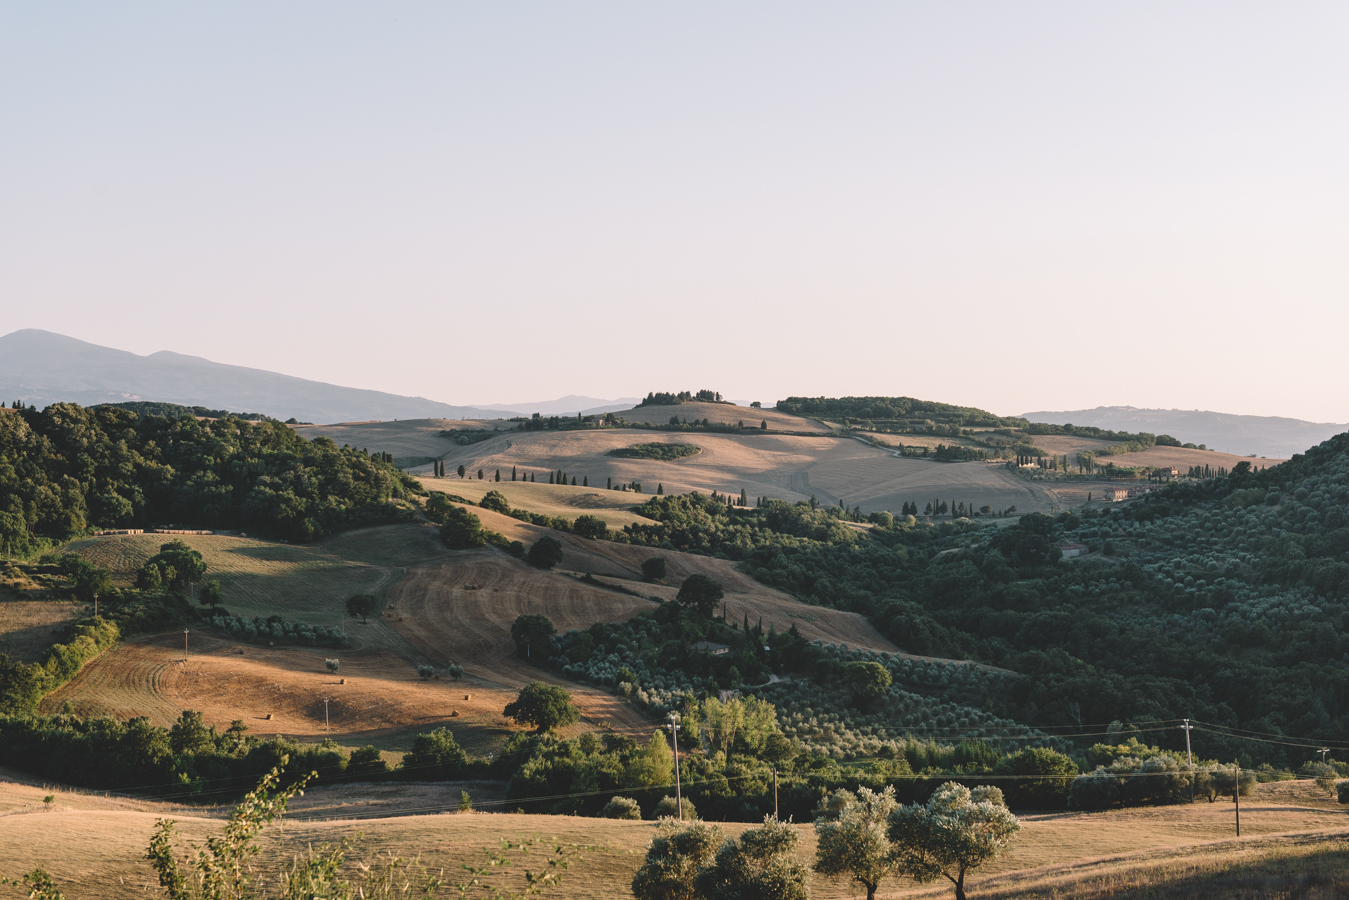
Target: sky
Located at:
point(1015, 206)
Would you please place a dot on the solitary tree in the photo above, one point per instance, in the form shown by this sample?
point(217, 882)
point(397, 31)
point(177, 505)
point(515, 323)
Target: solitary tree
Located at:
point(332, 665)
point(855, 845)
point(363, 606)
point(544, 706)
point(698, 592)
point(677, 852)
point(868, 681)
point(653, 569)
point(462, 530)
point(546, 553)
point(461, 471)
point(954, 833)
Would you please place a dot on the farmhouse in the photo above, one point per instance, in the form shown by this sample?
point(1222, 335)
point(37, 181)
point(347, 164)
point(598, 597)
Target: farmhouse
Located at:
point(1167, 472)
point(1113, 494)
point(710, 648)
point(1071, 549)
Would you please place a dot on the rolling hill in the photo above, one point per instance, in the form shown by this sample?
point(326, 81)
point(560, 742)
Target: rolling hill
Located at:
point(1271, 436)
point(40, 368)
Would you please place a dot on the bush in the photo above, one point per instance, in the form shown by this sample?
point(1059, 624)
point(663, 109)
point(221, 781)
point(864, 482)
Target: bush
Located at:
point(591, 527)
point(668, 807)
point(546, 553)
point(496, 502)
point(332, 665)
point(454, 671)
point(462, 530)
point(434, 757)
point(366, 763)
point(426, 672)
point(653, 569)
point(1342, 791)
point(621, 808)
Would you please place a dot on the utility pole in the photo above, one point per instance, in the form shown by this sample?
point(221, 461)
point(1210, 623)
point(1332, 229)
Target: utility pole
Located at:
point(1236, 795)
point(775, 793)
point(1189, 757)
point(1324, 750)
point(184, 645)
point(679, 796)
point(325, 713)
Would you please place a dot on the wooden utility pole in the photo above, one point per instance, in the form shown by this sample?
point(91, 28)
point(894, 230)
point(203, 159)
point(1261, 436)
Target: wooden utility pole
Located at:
point(325, 713)
point(184, 645)
point(1189, 757)
point(775, 793)
point(679, 796)
point(1236, 795)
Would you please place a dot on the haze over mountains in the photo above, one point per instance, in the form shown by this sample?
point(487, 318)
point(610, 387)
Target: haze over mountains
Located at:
point(41, 367)
point(1272, 436)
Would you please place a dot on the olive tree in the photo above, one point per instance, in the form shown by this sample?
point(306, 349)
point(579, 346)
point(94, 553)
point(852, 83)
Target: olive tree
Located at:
point(855, 844)
point(762, 865)
point(950, 836)
point(673, 859)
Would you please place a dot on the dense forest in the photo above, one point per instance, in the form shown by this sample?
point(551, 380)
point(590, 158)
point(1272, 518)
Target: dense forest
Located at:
point(1223, 600)
point(67, 469)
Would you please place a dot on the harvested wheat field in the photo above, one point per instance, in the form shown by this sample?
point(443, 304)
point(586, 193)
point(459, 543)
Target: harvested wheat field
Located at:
point(302, 583)
point(613, 507)
point(787, 467)
point(29, 627)
point(93, 844)
point(724, 414)
point(1182, 458)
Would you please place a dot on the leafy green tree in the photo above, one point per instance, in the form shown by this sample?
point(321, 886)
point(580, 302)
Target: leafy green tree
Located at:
point(461, 471)
point(332, 665)
point(545, 553)
point(700, 593)
point(762, 865)
point(949, 836)
point(544, 706)
point(363, 606)
point(211, 594)
point(189, 735)
point(435, 756)
point(462, 530)
point(868, 682)
point(591, 527)
point(495, 501)
point(533, 634)
point(669, 807)
point(176, 565)
point(855, 845)
point(673, 860)
point(653, 569)
point(366, 762)
point(426, 672)
point(1037, 777)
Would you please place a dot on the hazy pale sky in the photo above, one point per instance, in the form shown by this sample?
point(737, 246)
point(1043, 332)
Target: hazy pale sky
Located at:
point(1015, 206)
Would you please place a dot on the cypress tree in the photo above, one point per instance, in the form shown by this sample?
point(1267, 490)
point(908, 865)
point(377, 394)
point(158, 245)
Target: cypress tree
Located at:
point(660, 488)
point(498, 474)
point(573, 481)
point(609, 482)
point(585, 482)
point(550, 477)
point(532, 478)
point(512, 473)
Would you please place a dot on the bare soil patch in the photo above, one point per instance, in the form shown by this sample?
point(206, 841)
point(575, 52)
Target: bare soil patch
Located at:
point(1182, 458)
point(29, 627)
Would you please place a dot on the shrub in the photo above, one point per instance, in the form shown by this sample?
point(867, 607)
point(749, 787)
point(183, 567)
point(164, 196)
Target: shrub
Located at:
point(462, 530)
point(591, 527)
point(496, 502)
point(1342, 791)
point(454, 671)
point(332, 665)
point(426, 672)
point(668, 807)
point(621, 808)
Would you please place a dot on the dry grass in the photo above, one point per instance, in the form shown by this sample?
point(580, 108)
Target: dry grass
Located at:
point(724, 414)
point(93, 843)
point(299, 583)
point(29, 627)
point(614, 507)
point(1182, 458)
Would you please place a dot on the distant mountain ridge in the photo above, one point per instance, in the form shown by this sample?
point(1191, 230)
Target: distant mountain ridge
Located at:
point(41, 367)
point(1272, 436)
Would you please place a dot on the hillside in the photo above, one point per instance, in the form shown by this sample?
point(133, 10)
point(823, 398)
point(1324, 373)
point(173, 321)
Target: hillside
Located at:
point(93, 845)
point(1272, 436)
point(41, 368)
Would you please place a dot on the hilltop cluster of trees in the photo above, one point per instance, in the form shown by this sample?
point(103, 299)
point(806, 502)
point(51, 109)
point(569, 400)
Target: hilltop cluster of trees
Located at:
point(658, 451)
point(896, 410)
point(658, 398)
point(67, 469)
